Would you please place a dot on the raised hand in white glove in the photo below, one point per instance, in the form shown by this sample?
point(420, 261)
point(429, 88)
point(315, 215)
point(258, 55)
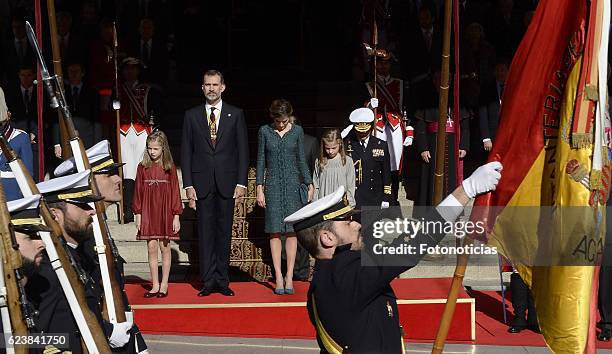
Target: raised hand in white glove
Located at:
point(374, 102)
point(120, 335)
point(408, 141)
point(346, 131)
point(384, 205)
point(483, 180)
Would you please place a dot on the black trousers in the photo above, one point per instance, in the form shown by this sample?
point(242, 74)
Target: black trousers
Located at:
point(605, 277)
point(523, 304)
point(394, 188)
point(302, 264)
point(129, 186)
point(605, 283)
point(215, 219)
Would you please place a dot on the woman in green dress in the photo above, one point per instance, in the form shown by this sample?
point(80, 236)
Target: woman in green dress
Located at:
point(282, 174)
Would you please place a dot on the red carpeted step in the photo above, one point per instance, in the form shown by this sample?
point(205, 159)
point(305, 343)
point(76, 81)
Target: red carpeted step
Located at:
point(256, 311)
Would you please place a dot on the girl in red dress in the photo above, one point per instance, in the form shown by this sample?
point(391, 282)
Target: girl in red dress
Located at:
point(157, 205)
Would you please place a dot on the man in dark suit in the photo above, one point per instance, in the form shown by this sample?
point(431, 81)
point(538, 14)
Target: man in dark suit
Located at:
point(72, 46)
point(152, 52)
point(131, 12)
point(22, 103)
point(214, 159)
point(16, 50)
point(490, 104)
point(423, 48)
point(84, 103)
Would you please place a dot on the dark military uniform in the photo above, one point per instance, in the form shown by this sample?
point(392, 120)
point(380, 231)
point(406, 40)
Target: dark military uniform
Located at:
point(372, 171)
point(92, 267)
point(45, 292)
point(355, 304)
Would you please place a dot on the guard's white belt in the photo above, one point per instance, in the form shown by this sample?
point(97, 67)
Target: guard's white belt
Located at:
point(7, 174)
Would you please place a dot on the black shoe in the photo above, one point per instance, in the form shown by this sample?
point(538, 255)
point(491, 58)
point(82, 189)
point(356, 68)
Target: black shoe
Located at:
point(515, 329)
point(226, 291)
point(604, 335)
point(205, 291)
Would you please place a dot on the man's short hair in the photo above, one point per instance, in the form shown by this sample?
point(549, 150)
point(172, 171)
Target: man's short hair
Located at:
point(64, 14)
point(502, 61)
point(309, 237)
point(25, 67)
point(213, 72)
point(77, 63)
point(61, 205)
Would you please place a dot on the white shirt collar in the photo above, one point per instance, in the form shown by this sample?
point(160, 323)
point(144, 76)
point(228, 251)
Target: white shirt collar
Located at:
point(26, 89)
point(428, 31)
point(217, 106)
point(72, 245)
point(367, 140)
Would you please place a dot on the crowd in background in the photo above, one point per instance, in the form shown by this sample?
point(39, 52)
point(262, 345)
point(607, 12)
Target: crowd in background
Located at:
point(161, 35)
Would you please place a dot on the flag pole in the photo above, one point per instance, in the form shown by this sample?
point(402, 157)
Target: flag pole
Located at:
point(118, 119)
point(462, 259)
point(442, 107)
point(57, 70)
point(39, 99)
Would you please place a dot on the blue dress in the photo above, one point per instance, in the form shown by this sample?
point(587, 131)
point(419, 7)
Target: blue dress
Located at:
point(20, 142)
point(281, 168)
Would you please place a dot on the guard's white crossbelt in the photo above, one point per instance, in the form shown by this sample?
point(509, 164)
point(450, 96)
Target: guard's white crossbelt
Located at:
point(77, 313)
point(106, 283)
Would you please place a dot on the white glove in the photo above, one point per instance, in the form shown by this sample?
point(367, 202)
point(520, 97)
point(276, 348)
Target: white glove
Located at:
point(408, 141)
point(116, 105)
point(374, 102)
point(346, 131)
point(120, 335)
point(483, 180)
point(384, 205)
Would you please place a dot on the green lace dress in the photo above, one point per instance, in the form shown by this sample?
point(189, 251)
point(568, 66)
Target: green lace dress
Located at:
point(281, 168)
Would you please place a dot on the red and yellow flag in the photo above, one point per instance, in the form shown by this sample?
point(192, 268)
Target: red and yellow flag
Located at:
point(550, 202)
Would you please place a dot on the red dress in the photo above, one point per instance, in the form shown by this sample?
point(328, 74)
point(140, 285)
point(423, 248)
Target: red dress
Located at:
point(157, 199)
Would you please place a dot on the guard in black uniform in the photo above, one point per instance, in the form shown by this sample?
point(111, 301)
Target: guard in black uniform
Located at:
point(371, 158)
point(353, 307)
point(105, 174)
point(67, 198)
point(26, 224)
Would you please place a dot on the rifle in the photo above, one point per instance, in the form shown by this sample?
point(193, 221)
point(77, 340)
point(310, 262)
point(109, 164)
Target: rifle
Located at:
point(57, 67)
point(114, 310)
point(116, 107)
point(14, 305)
point(374, 74)
point(89, 327)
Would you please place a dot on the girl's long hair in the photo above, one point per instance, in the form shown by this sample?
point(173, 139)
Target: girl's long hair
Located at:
point(331, 136)
point(166, 158)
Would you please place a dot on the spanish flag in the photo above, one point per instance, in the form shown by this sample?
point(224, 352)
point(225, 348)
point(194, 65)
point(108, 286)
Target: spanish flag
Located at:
point(547, 214)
